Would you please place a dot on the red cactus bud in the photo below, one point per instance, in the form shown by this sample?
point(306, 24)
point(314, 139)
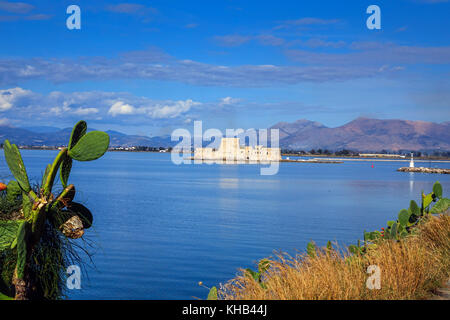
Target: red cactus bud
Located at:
point(2, 186)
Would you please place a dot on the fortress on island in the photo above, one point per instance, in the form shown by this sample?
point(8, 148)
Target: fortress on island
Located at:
point(231, 150)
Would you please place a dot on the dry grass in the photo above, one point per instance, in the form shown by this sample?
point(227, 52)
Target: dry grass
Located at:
point(410, 269)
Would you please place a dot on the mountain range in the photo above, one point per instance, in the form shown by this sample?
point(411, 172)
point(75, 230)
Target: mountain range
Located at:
point(365, 134)
point(361, 134)
point(50, 136)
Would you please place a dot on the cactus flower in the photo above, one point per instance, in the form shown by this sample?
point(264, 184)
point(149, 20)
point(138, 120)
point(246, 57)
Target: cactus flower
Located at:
point(2, 186)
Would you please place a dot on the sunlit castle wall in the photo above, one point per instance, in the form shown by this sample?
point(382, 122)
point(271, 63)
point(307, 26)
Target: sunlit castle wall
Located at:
point(230, 149)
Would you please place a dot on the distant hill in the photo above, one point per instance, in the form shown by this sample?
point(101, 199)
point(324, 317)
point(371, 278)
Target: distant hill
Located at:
point(119, 139)
point(361, 134)
point(43, 129)
point(365, 134)
point(49, 136)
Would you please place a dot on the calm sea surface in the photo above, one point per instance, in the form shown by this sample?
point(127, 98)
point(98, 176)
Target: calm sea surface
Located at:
point(160, 228)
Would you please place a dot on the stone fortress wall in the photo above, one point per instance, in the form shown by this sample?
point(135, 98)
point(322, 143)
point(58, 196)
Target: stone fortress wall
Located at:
point(230, 149)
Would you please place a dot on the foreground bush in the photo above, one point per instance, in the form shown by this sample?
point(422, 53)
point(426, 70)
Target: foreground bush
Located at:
point(412, 255)
point(410, 269)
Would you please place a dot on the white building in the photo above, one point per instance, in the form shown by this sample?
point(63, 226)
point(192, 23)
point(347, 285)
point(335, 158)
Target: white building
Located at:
point(231, 150)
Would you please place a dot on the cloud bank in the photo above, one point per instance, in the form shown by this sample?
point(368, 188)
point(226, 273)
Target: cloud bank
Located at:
point(116, 107)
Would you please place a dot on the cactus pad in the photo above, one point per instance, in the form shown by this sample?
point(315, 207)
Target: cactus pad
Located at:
point(212, 295)
point(441, 206)
point(437, 189)
point(46, 173)
point(8, 232)
point(65, 198)
point(415, 210)
point(83, 212)
point(26, 205)
point(13, 190)
point(22, 237)
point(64, 171)
point(90, 147)
point(15, 164)
point(427, 200)
point(403, 217)
point(78, 131)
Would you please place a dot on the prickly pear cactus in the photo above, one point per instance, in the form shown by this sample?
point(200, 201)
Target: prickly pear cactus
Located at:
point(408, 219)
point(15, 164)
point(90, 146)
point(40, 209)
point(212, 295)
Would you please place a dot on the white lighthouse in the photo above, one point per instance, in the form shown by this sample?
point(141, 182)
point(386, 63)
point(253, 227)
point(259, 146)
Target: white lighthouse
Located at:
point(411, 163)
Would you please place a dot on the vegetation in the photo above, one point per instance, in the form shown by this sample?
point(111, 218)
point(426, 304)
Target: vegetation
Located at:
point(354, 153)
point(412, 253)
point(141, 149)
point(320, 152)
point(35, 225)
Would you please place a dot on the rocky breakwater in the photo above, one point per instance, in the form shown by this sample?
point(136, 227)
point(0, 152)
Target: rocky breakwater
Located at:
point(424, 170)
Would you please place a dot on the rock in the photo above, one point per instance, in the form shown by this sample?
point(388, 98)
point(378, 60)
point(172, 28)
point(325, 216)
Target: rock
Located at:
point(73, 228)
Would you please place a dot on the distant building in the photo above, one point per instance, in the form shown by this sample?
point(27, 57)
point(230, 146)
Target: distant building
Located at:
point(230, 149)
point(381, 155)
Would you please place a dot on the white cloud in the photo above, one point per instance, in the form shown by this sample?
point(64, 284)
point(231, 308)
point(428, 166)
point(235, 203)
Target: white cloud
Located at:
point(21, 105)
point(77, 111)
point(156, 110)
point(131, 8)
point(121, 108)
point(308, 21)
point(8, 97)
point(228, 101)
point(16, 7)
point(235, 40)
point(85, 111)
point(172, 110)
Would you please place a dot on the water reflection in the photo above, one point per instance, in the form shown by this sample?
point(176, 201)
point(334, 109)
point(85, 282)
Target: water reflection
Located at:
point(229, 183)
point(231, 161)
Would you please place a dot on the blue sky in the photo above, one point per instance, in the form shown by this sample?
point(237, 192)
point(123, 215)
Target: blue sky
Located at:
point(148, 67)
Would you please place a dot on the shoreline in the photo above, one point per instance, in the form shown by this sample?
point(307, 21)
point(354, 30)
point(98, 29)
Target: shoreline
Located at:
point(315, 158)
point(225, 161)
point(418, 159)
point(325, 157)
point(388, 160)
